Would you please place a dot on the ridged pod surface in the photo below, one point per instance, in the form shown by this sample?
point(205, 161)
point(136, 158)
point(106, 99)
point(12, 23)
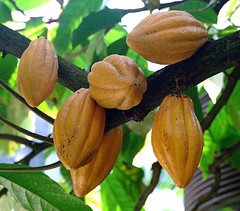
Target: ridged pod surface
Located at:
point(90, 176)
point(78, 129)
point(37, 71)
point(177, 138)
point(167, 37)
point(116, 82)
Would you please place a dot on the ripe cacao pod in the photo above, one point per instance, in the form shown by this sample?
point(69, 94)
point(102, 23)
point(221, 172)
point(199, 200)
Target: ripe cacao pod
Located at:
point(78, 129)
point(177, 138)
point(167, 37)
point(37, 71)
point(90, 176)
point(116, 82)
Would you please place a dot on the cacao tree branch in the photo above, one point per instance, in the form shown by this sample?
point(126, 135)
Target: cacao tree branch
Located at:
point(156, 168)
point(21, 99)
point(32, 169)
point(20, 140)
point(232, 81)
point(27, 132)
point(214, 57)
point(69, 75)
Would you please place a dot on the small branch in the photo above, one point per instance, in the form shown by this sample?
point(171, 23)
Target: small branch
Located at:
point(145, 8)
point(27, 132)
point(52, 21)
point(40, 147)
point(156, 168)
point(19, 140)
point(232, 81)
point(21, 99)
point(71, 56)
point(16, 7)
point(32, 169)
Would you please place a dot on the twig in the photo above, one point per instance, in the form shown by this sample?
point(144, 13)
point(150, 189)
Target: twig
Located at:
point(71, 56)
point(32, 169)
point(232, 81)
point(19, 140)
point(16, 7)
point(21, 99)
point(40, 147)
point(156, 168)
point(27, 132)
point(161, 6)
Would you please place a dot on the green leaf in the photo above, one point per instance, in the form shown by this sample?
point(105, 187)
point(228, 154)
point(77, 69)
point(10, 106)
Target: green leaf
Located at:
point(118, 47)
point(114, 196)
point(234, 159)
point(92, 48)
point(208, 153)
point(223, 131)
point(7, 67)
point(131, 179)
point(140, 61)
point(34, 28)
point(70, 18)
point(115, 34)
point(193, 94)
point(95, 22)
point(199, 10)
point(132, 143)
point(66, 175)
point(36, 191)
point(227, 31)
point(27, 5)
point(5, 13)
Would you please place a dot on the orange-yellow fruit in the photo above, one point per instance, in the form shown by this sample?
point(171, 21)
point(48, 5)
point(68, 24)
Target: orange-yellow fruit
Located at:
point(116, 82)
point(78, 129)
point(37, 71)
point(177, 138)
point(90, 176)
point(167, 37)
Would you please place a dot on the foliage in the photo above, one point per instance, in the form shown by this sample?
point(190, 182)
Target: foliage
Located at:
point(87, 31)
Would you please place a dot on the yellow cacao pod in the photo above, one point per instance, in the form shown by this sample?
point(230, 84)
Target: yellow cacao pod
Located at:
point(167, 37)
point(78, 129)
point(37, 71)
point(90, 176)
point(177, 138)
point(116, 82)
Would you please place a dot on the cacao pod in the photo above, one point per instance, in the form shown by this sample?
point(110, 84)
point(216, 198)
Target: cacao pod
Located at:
point(37, 71)
point(167, 37)
point(116, 82)
point(177, 138)
point(78, 129)
point(90, 176)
